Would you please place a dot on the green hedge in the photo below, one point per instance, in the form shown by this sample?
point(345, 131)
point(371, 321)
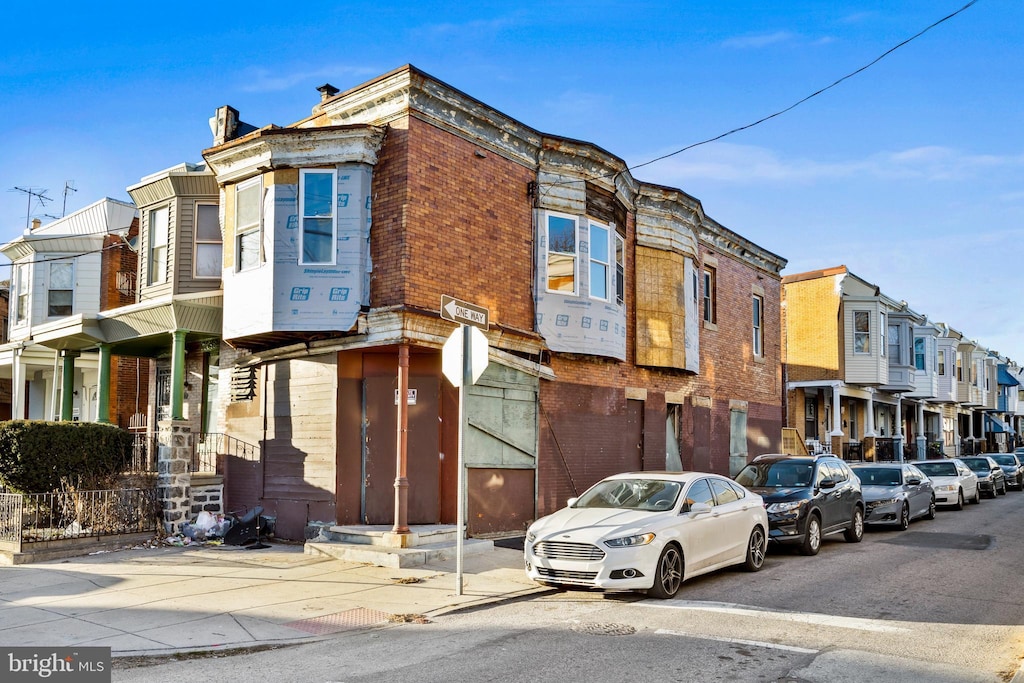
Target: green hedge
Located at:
point(38, 456)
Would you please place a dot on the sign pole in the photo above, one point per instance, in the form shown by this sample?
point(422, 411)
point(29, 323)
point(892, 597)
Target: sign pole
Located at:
point(467, 379)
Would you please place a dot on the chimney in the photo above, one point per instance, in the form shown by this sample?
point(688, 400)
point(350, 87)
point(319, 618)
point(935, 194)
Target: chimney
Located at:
point(36, 223)
point(327, 91)
point(224, 124)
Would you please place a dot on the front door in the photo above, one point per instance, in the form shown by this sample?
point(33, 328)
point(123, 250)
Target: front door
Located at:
point(379, 445)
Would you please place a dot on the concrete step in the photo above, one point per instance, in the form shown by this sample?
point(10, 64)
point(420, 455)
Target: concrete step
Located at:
point(384, 556)
point(383, 536)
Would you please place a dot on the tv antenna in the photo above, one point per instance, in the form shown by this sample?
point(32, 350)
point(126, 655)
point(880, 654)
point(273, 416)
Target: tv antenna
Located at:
point(38, 194)
point(69, 186)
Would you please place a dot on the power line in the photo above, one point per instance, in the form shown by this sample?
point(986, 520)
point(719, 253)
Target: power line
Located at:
point(813, 94)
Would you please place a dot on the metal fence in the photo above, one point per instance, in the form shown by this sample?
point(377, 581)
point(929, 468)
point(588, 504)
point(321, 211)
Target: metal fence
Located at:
point(208, 446)
point(38, 517)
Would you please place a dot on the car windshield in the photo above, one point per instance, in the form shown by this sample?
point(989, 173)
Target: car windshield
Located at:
point(781, 474)
point(977, 464)
point(878, 476)
point(937, 469)
point(1005, 459)
point(631, 494)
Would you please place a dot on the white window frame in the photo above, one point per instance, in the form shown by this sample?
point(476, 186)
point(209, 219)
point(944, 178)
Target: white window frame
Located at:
point(333, 216)
point(198, 242)
point(923, 354)
point(50, 289)
point(757, 311)
point(22, 306)
point(862, 334)
point(598, 264)
point(941, 359)
point(243, 231)
point(881, 345)
point(574, 256)
point(620, 269)
point(159, 244)
point(709, 277)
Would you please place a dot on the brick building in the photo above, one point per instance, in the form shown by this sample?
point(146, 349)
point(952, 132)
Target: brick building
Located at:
point(628, 330)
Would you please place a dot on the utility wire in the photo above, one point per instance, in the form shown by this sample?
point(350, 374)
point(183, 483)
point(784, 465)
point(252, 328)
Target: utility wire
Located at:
point(813, 94)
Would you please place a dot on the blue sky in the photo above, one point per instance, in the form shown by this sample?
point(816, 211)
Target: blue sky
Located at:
point(910, 173)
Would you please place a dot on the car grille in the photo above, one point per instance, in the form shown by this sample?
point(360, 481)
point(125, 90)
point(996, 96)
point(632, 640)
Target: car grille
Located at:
point(560, 550)
point(566, 576)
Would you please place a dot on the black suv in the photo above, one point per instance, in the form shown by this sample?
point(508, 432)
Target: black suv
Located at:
point(807, 497)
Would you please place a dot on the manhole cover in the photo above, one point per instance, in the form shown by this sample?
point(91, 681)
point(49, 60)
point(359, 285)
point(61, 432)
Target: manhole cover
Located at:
point(923, 539)
point(604, 629)
point(341, 621)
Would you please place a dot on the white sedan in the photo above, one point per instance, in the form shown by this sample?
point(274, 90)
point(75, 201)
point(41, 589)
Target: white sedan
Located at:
point(952, 480)
point(648, 531)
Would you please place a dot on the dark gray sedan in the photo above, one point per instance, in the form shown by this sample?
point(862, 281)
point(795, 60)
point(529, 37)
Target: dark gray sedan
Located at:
point(1013, 469)
point(895, 493)
point(991, 479)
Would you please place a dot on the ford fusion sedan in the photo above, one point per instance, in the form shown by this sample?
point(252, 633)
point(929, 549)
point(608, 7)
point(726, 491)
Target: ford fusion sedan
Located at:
point(952, 480)
point(648, 531)
point(807, 497)
point(895, 493)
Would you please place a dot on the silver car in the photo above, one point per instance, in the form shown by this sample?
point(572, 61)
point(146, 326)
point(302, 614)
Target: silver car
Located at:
point(895, 493)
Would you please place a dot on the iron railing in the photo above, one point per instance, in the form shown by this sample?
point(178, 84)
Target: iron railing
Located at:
point(27, 518)
point(145, 450)
point(208, 446)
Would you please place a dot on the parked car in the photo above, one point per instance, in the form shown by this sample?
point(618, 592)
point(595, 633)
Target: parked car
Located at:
point(1013, 469)
point(952, 480)
point(991, 479)
point(648, 531)
point(807, 497)
point(895, 493)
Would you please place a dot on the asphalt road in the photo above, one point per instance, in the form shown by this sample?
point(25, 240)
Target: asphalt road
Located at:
point(939, 602)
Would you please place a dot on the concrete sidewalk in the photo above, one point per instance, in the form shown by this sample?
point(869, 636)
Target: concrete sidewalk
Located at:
point(157, 601)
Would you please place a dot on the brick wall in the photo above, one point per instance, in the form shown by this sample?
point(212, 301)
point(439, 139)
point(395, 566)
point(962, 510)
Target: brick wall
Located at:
point(447, 221)
point(813, 334)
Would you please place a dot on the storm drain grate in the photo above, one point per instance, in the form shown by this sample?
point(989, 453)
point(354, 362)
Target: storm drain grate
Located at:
point(922, 539)
point(604, 629)
point(359, 617)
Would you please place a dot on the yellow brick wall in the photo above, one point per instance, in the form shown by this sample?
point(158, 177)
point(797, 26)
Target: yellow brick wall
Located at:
point(812, 329)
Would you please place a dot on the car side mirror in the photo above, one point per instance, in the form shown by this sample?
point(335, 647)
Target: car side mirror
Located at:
point(699, 508)
point(913, 481)
point(827, 484)
point(571, 501)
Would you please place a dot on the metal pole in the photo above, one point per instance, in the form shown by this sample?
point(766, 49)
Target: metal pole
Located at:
point(467, 378)
point(401, 460)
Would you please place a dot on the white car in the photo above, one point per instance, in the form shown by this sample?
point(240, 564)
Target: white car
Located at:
point(648, 531)
point(953, 481)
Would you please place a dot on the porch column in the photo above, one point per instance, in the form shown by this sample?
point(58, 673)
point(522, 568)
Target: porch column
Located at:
point(837, 423)
point(18, 387)
point(174, 480)
point(897, 434)
point(103, 407)
point(869, 427)
point(922, 439)
point(67, 384)
point(401, 452)
point(178, 374)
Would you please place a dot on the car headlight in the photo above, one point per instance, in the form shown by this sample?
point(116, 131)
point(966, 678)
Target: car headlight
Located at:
point(887, 501)
point(625, 541)
point(946, 487)
point(531, 536)
point(785, 507)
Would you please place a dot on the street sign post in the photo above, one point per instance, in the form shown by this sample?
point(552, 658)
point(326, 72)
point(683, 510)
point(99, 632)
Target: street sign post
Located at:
point(463, 360)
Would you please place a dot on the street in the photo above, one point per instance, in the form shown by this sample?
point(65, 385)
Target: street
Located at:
point(939, 602)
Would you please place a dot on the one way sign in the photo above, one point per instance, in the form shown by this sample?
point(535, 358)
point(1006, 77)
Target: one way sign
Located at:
point(464, 313)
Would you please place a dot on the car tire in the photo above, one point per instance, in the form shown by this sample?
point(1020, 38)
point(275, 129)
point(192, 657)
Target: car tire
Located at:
point(960, 499)
point(977, 497)
point(668, 577)
point(855, 533)
point(1002, 489)
point(904, 517)
point(757, 547)
point(931, 509)
point(812, 537)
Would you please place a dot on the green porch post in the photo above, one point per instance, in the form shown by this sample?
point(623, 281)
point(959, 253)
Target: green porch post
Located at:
point(103, 409)
point(67, 390)
point(178, 374)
